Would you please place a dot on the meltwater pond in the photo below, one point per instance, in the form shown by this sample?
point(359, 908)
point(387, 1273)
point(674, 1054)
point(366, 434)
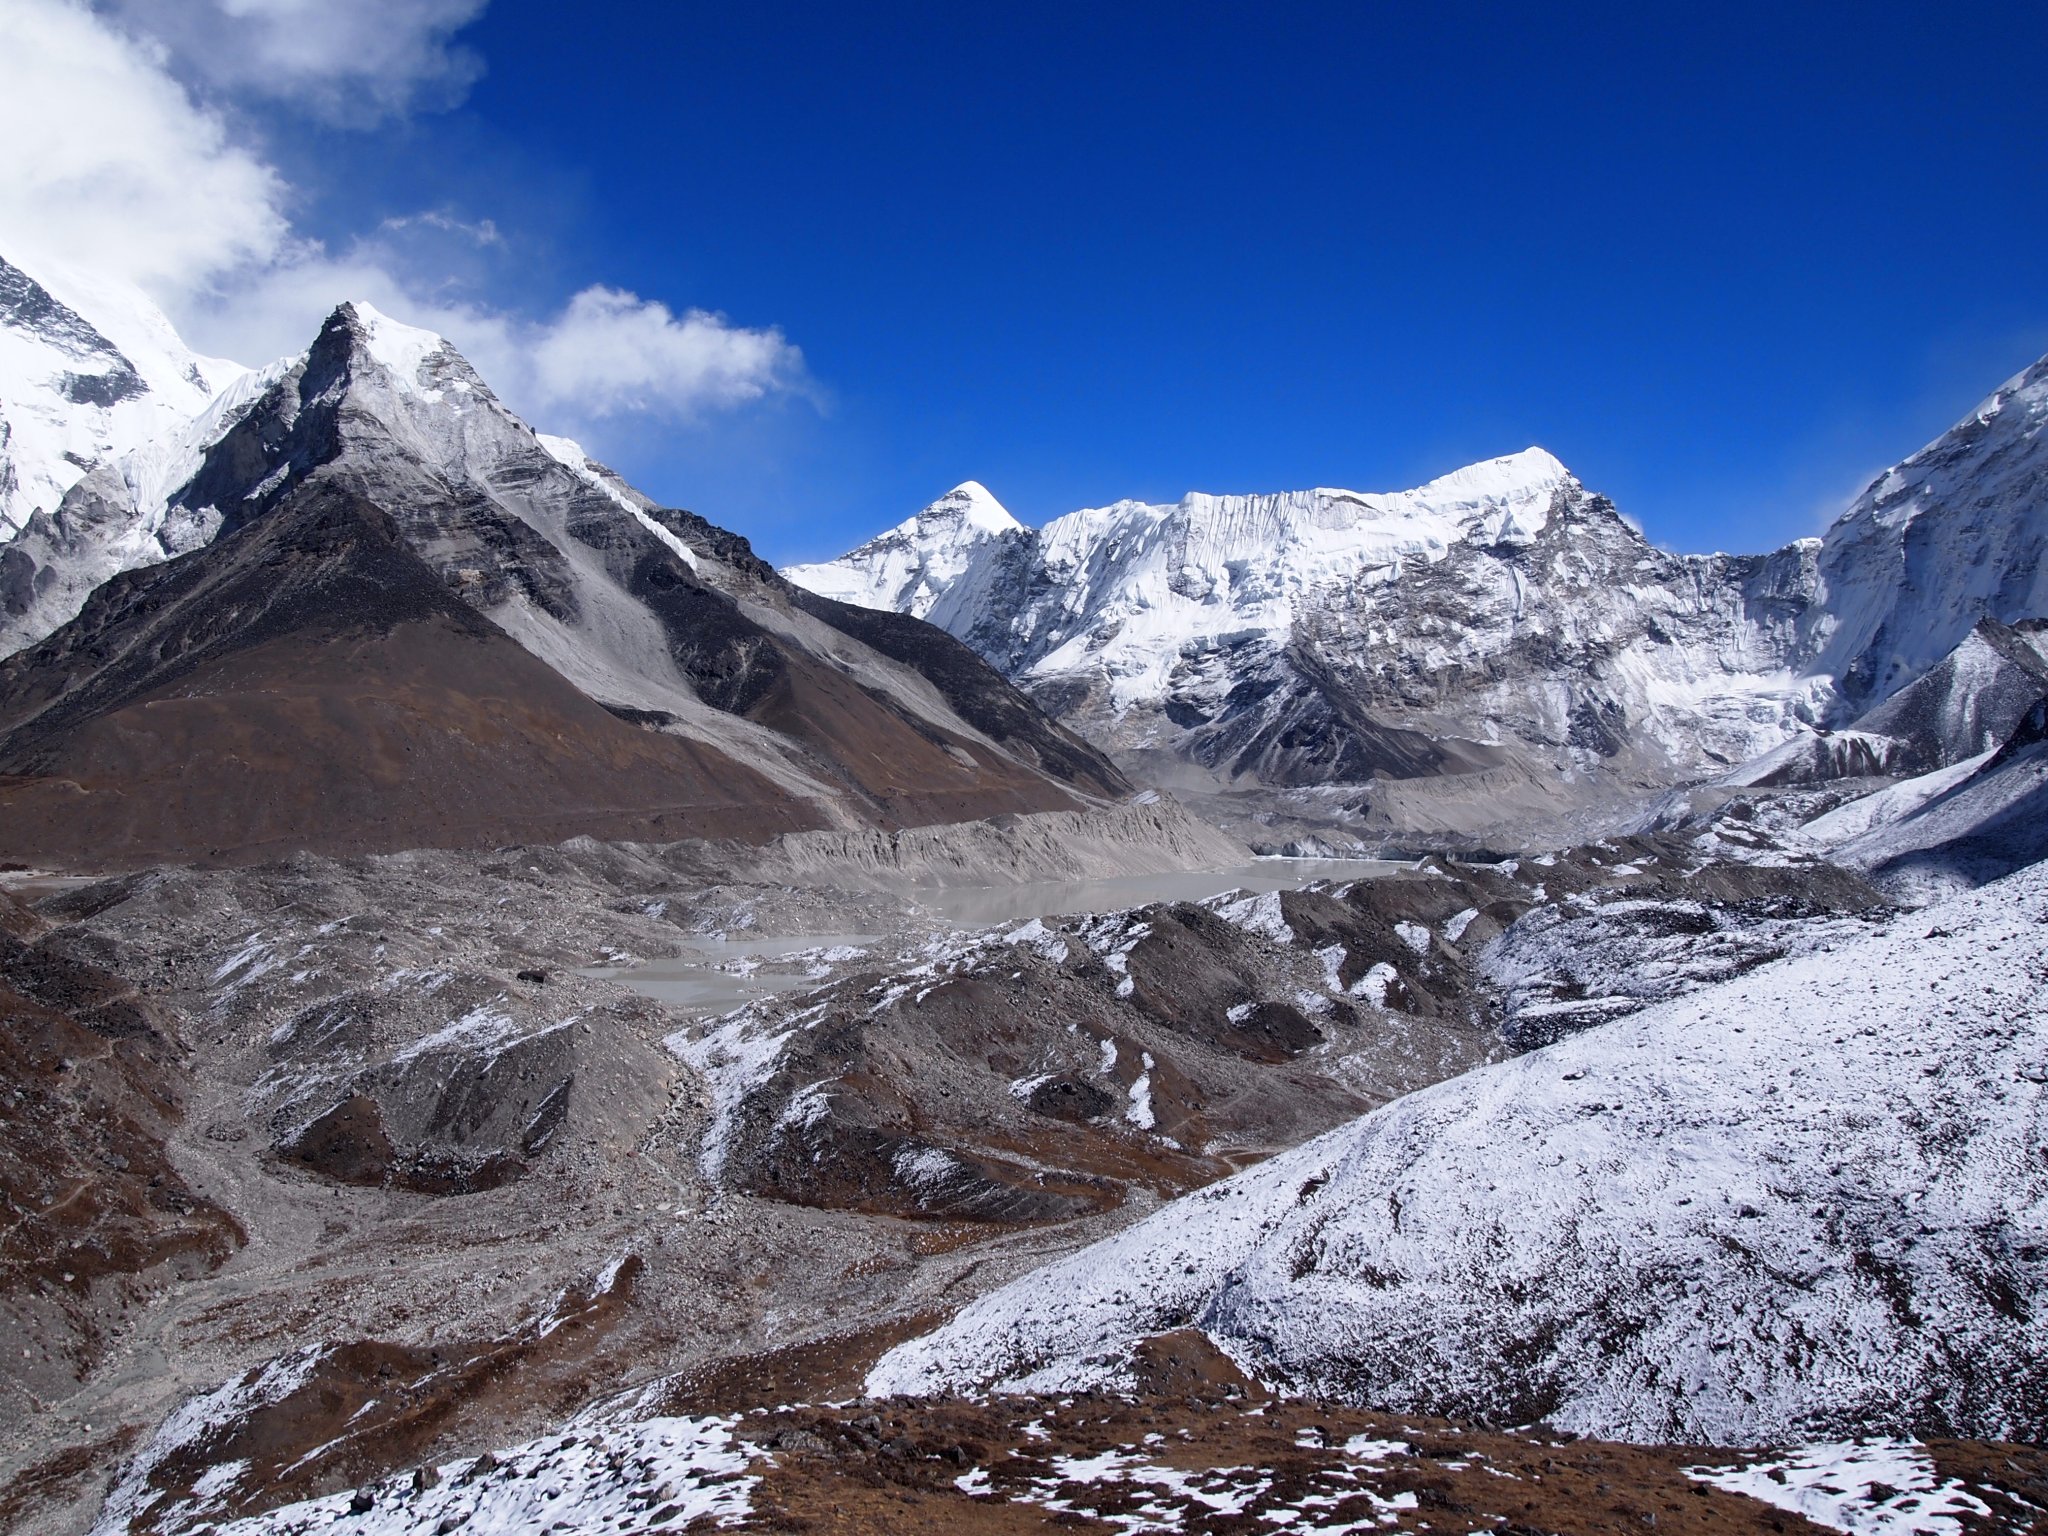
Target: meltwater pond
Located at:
point(980, 906)
point(715, 974)
point(712, 975)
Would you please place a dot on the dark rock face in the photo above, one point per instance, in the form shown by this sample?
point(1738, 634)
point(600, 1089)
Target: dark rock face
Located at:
point(351, 1144)
point(104, 389)
point(344, 634)
point(1273, 1032)
point(1067, 1097)
point(27, 305)
point(1974, 699)
point(17, 580)
point(731, 661)
point(307, 682)
point(348, 1143)
point(982, 697)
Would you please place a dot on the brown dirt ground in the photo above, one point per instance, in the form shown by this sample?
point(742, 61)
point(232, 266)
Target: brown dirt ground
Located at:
point(868, 1469)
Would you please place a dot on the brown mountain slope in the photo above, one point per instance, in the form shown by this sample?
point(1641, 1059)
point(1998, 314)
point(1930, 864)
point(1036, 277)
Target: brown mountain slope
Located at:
point(308, 682)
point(671, 686)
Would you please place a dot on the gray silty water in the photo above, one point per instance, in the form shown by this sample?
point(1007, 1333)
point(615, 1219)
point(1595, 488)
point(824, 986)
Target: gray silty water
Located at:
point(980, 906)
point(715, 974)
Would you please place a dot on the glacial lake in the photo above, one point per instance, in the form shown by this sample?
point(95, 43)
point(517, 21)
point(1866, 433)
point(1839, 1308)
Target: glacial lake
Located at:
point(982, 906)
point(717, 974)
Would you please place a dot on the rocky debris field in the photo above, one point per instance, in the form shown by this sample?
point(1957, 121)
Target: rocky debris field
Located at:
point(353, 1153)
point(369, 1108)
point(1048, 1068)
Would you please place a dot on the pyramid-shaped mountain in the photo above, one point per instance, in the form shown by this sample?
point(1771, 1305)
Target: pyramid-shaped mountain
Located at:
point(396, 617)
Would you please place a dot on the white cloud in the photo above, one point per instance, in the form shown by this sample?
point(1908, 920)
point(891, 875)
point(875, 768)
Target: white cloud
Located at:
point(108, 163)
point(479, 232)
point(111, 165)
point(607, 353)
point(344, 59)
point(612, 351)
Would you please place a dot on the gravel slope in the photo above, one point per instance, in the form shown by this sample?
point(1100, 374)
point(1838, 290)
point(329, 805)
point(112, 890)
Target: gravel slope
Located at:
point(1808, 1199)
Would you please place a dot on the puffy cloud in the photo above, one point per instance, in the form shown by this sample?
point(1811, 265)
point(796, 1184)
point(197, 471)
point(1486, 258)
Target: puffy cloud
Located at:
point(110, 165)
point(607, 353)
point(612, 351)
point(345, 59)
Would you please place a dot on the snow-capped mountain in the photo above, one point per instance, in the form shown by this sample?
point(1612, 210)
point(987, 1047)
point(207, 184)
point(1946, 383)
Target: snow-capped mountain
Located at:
point(923, 559)
point(1805, 1201)
point(669, 679)
point(1500, 621)
point(1501, 625)
point(1956, 533)
point(89, 368)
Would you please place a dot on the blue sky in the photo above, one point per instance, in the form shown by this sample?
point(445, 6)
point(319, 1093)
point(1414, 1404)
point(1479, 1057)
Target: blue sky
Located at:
point(1724, 261)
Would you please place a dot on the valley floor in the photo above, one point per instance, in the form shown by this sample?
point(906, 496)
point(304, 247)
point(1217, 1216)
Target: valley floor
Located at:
point(332, 1177)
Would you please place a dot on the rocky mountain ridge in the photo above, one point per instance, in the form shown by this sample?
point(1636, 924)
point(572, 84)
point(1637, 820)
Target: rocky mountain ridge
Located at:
point(209, 578)
point(1497, 626)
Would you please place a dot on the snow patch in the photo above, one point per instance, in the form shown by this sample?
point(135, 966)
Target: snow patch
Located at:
point(1260, 914)
point(1140, 1111)
point(591, 1478)
point(403, 349)
point(1866, 1488)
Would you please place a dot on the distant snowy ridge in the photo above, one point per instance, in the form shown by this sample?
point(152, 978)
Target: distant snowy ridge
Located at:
point(918, 561)
point(89, 369)
point(1802, 1203)
point(1498, 616)
point(1500, 619)
point(1158, 574)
